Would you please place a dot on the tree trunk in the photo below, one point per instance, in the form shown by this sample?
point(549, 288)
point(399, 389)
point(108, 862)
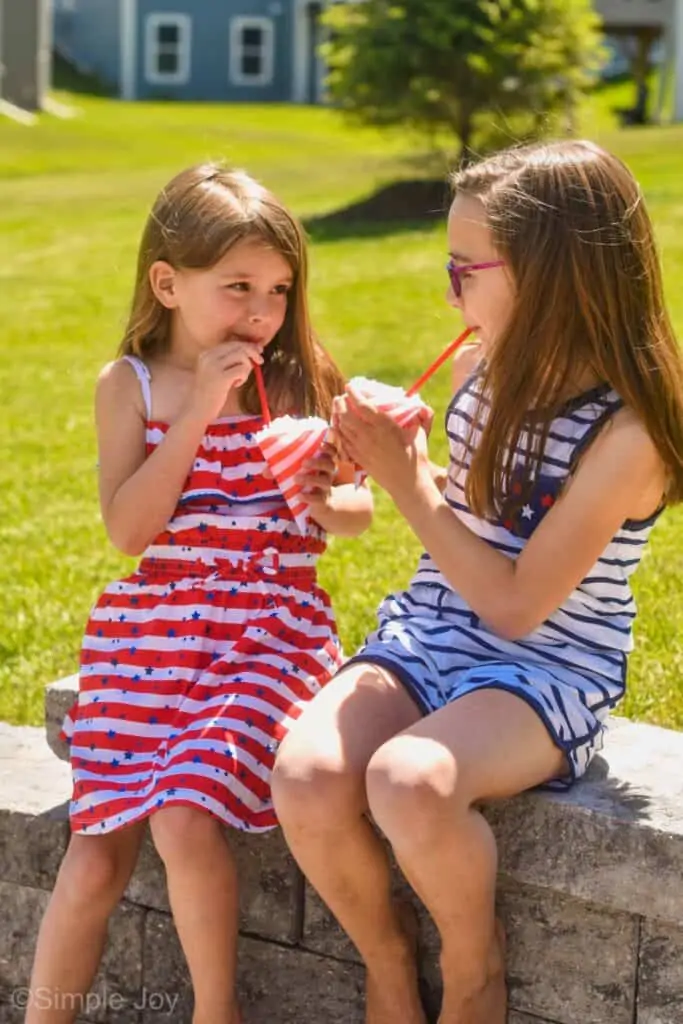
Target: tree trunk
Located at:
point(641, 70)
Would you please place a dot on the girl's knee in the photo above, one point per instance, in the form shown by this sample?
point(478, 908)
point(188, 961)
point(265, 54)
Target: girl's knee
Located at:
point(312, 787)
point(182, 832)
point(411, 782)
point(95, 869)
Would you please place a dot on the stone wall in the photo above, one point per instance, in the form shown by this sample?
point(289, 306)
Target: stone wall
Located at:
point(591, 894)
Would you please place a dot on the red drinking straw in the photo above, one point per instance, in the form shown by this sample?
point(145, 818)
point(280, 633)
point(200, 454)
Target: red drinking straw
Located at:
point(448, 351)
point(260, 384)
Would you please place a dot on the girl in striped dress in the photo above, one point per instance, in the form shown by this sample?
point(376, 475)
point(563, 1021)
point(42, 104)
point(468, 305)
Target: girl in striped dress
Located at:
point(495, 670)
point(194, 667)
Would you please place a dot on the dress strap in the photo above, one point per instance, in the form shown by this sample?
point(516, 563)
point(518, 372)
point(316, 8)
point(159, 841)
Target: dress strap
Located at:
point(608, 403)
point(144, 376)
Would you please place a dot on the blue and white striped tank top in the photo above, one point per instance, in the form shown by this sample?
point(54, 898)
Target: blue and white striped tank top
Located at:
point(599, 613)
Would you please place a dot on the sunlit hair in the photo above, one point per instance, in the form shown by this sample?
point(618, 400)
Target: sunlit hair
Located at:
point(570, 222)
point(195, 221)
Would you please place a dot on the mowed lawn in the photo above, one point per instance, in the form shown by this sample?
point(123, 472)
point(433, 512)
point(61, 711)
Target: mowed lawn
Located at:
point(73, 198)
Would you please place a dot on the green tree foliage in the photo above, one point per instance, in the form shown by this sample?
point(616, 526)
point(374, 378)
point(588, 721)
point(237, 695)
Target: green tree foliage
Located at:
point(451, 64)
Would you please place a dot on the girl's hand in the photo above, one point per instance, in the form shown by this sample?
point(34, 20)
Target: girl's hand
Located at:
point(220, 369)
point(317, 476)
point(394, 457)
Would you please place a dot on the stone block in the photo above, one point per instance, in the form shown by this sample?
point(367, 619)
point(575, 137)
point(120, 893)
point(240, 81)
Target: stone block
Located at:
point(11, 1012)
point(323, 935)
point(34, 789)
point(31, 848)
point(275, 983)
point(614, 839)
point(568, 961)
point(166, 990)
point(22, 911)
point(147, 887)
point(292, 986)
point(31, 781)
point(660, 989)
point(270, 885)
point(59, 698)
point(118, 981)
point(115, 995)
point(524, 1018)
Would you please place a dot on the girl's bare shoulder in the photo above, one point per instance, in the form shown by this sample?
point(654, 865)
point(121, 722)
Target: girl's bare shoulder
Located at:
point(118, 388)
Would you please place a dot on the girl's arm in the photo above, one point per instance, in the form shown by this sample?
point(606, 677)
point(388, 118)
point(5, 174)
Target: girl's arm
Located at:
point(335, 502)
point(621, 476)
point(138, 494)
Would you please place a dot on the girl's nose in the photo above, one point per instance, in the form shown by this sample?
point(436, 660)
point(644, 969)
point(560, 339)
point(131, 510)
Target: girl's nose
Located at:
point(452, 299)
point(258, 309)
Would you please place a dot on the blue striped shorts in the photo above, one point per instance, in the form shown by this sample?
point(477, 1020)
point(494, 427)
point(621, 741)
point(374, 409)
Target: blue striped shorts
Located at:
point(439, 654)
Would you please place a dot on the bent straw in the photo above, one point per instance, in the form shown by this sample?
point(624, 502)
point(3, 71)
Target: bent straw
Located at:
point(448, 351)
point(260, 384)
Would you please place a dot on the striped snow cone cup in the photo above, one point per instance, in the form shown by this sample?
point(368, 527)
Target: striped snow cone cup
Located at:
point(286, 444)
point(404, 409)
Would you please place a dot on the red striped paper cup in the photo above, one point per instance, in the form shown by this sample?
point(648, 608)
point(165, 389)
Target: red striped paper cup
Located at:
point(286, 444)
point(404, 409)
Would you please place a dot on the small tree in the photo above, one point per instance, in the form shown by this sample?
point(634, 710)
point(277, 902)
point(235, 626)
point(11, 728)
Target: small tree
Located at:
point(440, 64)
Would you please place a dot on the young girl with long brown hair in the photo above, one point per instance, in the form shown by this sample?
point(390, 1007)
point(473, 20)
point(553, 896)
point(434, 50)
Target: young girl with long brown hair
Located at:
point(194, 667)
point(496, 669)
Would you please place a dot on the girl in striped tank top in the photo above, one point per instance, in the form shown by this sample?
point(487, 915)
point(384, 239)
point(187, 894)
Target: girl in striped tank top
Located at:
point(495, 670)
point(194, 667)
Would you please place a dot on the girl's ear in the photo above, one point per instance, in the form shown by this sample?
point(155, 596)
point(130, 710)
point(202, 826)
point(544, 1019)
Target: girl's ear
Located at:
point(162, 279)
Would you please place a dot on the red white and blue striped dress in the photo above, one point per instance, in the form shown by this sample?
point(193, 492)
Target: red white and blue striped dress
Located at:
point(194, 667)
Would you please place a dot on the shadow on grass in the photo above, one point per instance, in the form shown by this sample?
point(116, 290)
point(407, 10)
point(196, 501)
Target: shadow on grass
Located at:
point(401, 206)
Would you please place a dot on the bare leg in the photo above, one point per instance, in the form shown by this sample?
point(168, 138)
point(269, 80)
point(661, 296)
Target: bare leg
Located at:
point(319, 795)
point(91, 881)
point(422, 789)
point(202, 889)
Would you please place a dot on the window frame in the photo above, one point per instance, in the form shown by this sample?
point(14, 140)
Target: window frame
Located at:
point(153, 48)
point(237, 50)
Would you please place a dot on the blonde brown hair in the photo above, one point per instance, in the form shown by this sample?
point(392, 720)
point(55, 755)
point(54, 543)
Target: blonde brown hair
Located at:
point(569, 220)
point(196, 219)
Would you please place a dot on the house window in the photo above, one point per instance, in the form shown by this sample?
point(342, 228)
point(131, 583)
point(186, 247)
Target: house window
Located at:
point(252, 51)
point(168, 41)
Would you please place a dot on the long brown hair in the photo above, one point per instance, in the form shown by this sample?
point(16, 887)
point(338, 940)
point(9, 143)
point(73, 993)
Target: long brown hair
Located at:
point(569, 220)
point(196, 219)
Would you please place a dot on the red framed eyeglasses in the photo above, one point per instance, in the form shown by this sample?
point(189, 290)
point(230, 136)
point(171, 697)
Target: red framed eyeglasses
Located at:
point(456, 272)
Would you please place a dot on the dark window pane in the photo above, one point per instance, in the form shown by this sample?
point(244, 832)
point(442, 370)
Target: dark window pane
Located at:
point(168, 34)
point(167, 63)
point(252, 36)
point(251, 65)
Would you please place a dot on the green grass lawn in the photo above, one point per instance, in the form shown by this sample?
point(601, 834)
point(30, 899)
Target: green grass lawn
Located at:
point(73, 198)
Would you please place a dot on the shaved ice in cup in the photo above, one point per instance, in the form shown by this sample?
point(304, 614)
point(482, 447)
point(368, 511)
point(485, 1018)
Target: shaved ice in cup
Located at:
point(286, 443)
point(404, 409)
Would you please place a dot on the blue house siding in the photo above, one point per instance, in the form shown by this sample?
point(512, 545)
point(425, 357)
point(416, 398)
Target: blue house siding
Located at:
point(209, 72)
point(88, 35)
point(225, 50)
